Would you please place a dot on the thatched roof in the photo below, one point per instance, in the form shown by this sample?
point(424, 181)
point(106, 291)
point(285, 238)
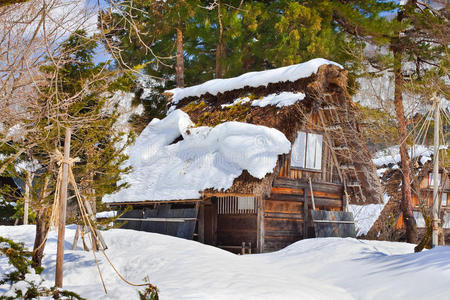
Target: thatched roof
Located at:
point(327, 86)
point(198, 149)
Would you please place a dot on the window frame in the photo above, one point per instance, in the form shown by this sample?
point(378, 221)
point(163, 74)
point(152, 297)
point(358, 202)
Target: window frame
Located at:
point(307, 133)
point(446, 199)
point(431, 179)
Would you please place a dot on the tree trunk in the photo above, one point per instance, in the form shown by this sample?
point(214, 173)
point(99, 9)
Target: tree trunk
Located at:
point(42, 227)
point(220, 49)
point(408, 217)
point(180, 63)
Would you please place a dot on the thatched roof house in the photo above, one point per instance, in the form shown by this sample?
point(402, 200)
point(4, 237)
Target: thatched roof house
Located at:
point(240, 157)
point(390, 225)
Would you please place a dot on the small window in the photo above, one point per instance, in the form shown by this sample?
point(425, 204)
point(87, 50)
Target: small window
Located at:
point(245, 203)
point(431, 181)
point(307, 151)
point(444, 199)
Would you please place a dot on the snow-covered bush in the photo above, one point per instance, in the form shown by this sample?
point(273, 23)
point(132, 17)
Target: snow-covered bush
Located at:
point(23, 281)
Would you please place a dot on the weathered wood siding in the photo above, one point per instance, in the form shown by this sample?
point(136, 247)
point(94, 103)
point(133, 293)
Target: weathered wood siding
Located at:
point(182, 229)
point(284, 210)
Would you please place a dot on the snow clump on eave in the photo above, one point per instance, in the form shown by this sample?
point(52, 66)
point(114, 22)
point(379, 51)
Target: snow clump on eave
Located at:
point(203, 158)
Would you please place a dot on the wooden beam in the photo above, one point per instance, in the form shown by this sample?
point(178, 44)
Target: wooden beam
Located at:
point(150, 202)
point(213, 194)
point(260, 233)
point(312, 194)
point(333, 221)
point(305, 213)
point(176, 220)
point(318, 201)
point(297, 217)
point(326, 187)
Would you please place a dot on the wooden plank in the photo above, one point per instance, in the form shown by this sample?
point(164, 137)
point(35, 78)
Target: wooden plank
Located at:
point(305, 213)
point(286, 190)
point(281, 206)
point(283, 224)
point(231, 230)
point(153, 202)
point(320, 194)
point(327, 187)
point(333, 221)
point(286, 197)
point(284, 233)
point(218, 194)
point(318, 201)
point(283, 215)
point(260, 232)
point(175, 220)
point(312, 194)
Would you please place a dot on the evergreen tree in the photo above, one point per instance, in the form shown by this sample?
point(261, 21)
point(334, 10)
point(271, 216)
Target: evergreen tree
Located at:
point(227, 38)
point(153, 37)
point(417, 38)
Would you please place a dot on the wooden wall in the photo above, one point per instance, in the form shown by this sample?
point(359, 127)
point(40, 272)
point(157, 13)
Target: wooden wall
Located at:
point(226, 230)
point(284, 210)
point(232, 230)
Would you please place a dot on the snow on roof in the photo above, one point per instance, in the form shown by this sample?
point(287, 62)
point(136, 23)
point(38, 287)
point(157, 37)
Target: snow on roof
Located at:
point(252, 79)
point(278, 100)
point(205, 158)
point(106, 214)
point(391, 155)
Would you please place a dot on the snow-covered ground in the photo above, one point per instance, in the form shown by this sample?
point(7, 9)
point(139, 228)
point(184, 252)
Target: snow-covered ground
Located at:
point(327, 268)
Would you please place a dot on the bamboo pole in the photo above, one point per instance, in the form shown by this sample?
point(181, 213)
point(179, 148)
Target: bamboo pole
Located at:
point(62, 211)
point(436, 221)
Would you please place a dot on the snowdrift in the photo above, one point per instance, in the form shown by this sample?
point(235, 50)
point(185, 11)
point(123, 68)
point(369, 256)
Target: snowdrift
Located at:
point(329, 268)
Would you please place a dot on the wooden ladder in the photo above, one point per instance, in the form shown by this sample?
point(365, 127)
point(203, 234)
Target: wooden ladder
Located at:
point(335, 131)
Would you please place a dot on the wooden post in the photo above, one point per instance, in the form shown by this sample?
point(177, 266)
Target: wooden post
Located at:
point(260, 225)
point(201, 223)
point(62, 212)
point(305, 213)
point(312, 194)
point(75, 239)
point(91, 216)
point(436, 221)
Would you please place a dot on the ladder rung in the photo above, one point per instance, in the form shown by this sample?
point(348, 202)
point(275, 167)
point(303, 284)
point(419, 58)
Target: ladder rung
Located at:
point(340, 148)
point(328, 107)
point(347, 167)
point(333, 127)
